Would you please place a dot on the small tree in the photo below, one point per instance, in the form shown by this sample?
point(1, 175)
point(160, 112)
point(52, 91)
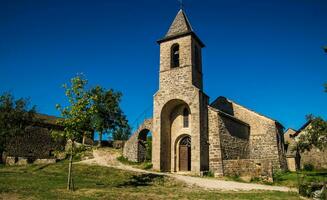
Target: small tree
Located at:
point(315, 134)
point(15, 116)
point(108, 116)
point(76, 116)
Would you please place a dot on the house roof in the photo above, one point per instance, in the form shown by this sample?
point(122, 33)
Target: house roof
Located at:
point(305, 125)
point(221, 97)
point(46, 119)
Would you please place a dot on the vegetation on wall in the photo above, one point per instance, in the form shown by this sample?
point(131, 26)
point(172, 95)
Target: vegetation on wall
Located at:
point(15, 116)
point(315, 135)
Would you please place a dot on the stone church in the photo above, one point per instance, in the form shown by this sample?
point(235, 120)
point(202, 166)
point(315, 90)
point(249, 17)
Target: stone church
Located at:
point(191, 134)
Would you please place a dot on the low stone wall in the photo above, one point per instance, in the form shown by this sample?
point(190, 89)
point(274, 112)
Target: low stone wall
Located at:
point(250, 168)
point(316, 157)
point(10, 161)
point(118, 144)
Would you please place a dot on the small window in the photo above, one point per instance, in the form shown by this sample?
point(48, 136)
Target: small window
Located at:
point(185, 118)
point(175, 56)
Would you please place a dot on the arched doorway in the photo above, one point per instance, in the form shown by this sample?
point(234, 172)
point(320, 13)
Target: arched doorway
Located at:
point(185, 154)
point(175, 119)
point(145, 146)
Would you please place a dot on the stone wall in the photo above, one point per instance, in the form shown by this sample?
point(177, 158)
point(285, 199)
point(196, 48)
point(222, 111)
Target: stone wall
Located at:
point(234, 137)
point(265, 141)
point(35, 143)
point(215, 149)
point(315, 157)
point(260, 168)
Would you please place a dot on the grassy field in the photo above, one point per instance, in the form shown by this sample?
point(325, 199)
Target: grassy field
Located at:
point(95, 182)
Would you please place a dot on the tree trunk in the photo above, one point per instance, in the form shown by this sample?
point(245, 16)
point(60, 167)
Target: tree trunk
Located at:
point(100, 140)
point(84, 136)
point(70, 169)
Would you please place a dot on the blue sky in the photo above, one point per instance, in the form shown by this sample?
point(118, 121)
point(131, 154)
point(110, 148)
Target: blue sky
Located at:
point(265, 55)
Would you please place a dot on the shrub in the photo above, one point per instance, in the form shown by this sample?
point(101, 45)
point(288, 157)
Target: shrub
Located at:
point(278, 175)
point(209, 174)
point(148, 165)
point(308, 167)
point(308, 189)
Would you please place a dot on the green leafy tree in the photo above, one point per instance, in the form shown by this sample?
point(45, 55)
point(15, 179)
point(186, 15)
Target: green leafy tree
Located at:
point(76, 117)
point(315, 134)
point(123, 132)
point(108, 118)
point(15, 116)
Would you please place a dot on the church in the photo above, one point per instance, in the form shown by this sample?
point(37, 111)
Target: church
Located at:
point(192, 134)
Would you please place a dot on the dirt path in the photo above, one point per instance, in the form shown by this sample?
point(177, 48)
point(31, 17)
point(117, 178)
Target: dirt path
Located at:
point(105, 157)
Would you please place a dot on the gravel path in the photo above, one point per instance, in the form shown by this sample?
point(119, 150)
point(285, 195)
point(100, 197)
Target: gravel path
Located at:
point(108, 158)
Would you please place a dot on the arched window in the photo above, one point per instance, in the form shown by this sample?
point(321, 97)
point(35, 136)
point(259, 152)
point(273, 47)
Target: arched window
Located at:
point(185, 118)
point(175, 56)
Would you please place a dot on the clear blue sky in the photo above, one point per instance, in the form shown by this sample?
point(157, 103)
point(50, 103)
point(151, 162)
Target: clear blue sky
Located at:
point(265, 55)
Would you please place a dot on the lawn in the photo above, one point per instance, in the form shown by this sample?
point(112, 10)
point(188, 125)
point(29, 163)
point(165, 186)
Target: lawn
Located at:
point(95, 182)
point(292, 179)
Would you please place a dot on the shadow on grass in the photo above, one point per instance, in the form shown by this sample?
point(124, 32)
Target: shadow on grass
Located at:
point(142, 180)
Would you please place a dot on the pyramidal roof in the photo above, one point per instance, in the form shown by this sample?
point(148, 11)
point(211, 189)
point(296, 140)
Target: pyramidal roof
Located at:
point(180, 25)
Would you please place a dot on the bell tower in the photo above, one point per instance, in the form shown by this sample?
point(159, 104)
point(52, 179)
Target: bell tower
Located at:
point(180, 54)
point(180, 126)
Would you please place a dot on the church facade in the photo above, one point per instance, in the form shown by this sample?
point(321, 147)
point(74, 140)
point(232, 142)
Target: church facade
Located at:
point(191, 134)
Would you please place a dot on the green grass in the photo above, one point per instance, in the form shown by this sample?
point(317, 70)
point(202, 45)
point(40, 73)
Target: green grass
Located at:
point(95, 182)
point(140, 165)
point(292, 179)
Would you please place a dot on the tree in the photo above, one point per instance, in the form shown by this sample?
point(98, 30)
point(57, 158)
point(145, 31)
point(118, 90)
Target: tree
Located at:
point(76, 116)
point(122, 133)
point(108, 116)
point(15, 116)
point(315, 134)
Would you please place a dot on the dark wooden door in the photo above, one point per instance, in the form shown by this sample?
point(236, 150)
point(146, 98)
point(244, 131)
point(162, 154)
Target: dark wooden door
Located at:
point(184, 158)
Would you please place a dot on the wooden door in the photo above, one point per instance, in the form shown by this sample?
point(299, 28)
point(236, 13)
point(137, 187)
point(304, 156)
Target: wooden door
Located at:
point(183, 158)
point(185, 154)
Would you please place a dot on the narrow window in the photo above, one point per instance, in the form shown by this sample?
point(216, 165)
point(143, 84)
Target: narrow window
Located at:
point(197, 57)
point(185, 118)
point(175, 56)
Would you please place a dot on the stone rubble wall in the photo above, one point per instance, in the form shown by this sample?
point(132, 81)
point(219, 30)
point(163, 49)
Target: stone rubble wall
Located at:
point(259, 168)
point(35, 143)
point(132, 145)
point(315, 157)
point(215, 148)
point(234, 138)
point(265, 141)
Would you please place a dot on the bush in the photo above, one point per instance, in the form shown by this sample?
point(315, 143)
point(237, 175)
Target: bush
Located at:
point(147, 165)
point(308, 167)
point(209, 174)
point(308, 189)
point(278, 175)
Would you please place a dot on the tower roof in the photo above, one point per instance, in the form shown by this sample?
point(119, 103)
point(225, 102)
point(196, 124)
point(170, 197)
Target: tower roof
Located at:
point(180, 27)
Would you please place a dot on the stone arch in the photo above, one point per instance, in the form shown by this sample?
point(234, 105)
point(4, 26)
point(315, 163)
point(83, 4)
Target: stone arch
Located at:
point(143, 145)
point(171, 127)
point(132, 148)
